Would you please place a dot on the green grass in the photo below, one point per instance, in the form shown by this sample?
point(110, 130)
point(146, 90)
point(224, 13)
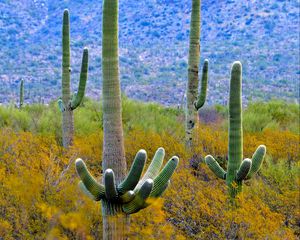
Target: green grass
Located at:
point(43, 119)
point(46, 120)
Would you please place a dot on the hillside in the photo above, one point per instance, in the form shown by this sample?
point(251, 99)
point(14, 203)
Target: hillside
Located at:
point(263, 35)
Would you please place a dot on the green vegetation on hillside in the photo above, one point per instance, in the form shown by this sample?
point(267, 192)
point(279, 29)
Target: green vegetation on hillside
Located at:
point(42, 119)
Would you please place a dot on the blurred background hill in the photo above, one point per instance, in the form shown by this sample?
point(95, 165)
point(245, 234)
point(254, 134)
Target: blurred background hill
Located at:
point(263, 35)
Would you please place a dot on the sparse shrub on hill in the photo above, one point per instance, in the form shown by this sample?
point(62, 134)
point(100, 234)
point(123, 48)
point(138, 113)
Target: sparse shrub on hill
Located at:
point(271, 115)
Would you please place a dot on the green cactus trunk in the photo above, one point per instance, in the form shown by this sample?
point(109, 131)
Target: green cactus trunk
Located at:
point(67, 115)
point(235, 141)
point(113, 145)
point(115, 222)
point(238, 169)
point(193, 68)
point(68, 104)
point(21, 100)
point(194, 102)
point(120, 195)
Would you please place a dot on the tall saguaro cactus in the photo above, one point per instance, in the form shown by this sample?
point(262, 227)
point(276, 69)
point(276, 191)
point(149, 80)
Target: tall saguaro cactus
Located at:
point(120, 195)
point(193, 68)
point(238, 169)
point(67, 103)
point(113, 145)
point(21, 100)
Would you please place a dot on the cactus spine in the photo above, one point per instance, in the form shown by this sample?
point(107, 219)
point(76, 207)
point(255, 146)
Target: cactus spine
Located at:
point(193, 68)
point(238, 170)
point(67, 103)
point(21, 100)
point(120, 195)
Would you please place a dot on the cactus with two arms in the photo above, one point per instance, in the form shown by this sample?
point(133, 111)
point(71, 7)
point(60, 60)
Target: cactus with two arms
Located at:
point(67, 103)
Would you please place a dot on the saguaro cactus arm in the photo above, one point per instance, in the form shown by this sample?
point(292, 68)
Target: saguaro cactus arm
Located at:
point(90, 183)
point(135, 172)
point(162, 179)
point(132, 193)
point(244, 169)
point(82, 82)
point(110, 185)
point(160, 192)
point(202, 94)
point(154, 167)
point(257, 160)
point(159, 185)
point(86, 192)
point(215, 167)
point(61, 105)
point(140, 198)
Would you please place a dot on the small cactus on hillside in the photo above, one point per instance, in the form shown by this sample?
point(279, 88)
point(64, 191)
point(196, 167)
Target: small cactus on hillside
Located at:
point(238, 169)
point(21, 100)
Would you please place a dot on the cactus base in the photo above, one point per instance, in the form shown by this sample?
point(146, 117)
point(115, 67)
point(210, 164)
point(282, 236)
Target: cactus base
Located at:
point(115, 222)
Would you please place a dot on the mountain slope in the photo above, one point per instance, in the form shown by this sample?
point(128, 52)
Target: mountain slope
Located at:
point(263, 35)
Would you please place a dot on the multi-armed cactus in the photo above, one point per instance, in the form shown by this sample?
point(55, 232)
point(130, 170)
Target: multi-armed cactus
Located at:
point(238, 169)
point(193, 68)
point(21, 100)
point(133, 193)
point(120, 195)
point(67, 103)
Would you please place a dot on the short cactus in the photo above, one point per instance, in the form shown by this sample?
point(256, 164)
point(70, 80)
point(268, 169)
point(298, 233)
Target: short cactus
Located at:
point(67, 103)
point(238, 170)
point(193, 68)
point(133, 193)
point(21, 100)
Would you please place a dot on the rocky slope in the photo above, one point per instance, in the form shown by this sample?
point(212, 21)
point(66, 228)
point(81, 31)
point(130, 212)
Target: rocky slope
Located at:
point(263, 35)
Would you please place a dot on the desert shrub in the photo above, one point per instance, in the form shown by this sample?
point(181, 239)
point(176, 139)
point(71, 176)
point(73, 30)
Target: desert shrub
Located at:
point(39, 197)
point(274, 115)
